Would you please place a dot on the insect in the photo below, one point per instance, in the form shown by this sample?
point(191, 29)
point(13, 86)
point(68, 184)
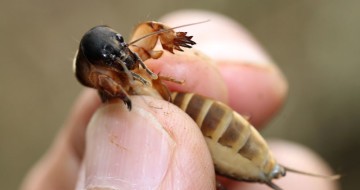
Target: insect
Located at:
point(105, 62)
point(237, 149)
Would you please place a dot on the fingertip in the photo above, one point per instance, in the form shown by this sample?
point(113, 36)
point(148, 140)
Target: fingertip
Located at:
point(255, 91)
point(154, 146)
point(126, 149)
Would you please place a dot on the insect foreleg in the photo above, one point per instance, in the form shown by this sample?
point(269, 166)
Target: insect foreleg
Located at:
point(153, 75)
point(111, 89)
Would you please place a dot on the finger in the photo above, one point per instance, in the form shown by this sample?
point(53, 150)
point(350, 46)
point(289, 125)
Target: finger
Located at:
point(58, 169)
point(297, 157)
point(155, 146)
point(199, 73)
point(255, 86)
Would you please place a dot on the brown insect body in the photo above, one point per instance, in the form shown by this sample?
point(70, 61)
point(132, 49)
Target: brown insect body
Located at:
point(238, 150)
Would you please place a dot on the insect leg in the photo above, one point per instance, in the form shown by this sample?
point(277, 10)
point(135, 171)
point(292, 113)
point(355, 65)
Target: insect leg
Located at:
point(146, 54)
point(110, 89)
point(140, 78)
point(171, 79)
point(161, 88)
point(153, 75)
point(126, 70)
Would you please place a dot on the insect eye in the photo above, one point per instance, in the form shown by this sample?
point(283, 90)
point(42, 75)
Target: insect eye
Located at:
point(108, 52)
point(119, 38)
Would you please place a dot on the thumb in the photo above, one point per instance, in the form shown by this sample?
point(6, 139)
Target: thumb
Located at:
point(154, 146)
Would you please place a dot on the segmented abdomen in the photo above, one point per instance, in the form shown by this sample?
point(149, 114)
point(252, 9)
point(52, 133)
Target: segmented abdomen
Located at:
point(238, 150)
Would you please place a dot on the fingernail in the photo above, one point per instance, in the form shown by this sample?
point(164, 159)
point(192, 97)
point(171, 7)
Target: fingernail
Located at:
point(126, 149)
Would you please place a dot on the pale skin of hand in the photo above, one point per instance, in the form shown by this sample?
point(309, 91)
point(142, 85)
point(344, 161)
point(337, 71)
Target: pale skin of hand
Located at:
point(185, 162)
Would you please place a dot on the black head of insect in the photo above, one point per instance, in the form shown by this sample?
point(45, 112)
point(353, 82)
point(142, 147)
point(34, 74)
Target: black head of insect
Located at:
point(104, 62)
point(103, 46)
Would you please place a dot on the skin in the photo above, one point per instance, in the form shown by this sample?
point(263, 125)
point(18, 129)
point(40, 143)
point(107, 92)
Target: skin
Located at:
point(183, 161)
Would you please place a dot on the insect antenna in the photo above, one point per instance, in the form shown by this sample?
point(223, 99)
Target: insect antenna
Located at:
point(330, 177)
point(165, 30)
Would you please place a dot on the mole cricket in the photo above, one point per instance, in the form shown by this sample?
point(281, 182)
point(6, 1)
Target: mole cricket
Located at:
point(104, 61)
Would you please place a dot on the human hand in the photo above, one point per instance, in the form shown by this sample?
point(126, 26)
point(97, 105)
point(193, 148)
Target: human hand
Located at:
point(156, 144)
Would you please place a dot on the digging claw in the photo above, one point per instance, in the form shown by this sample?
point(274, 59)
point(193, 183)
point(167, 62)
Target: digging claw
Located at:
point(127, 102)
point(183, 41)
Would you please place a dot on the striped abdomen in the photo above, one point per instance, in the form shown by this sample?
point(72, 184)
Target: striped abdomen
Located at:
point(237, 149)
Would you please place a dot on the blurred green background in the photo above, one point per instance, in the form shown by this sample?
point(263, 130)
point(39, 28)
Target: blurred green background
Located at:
point(315, 43)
